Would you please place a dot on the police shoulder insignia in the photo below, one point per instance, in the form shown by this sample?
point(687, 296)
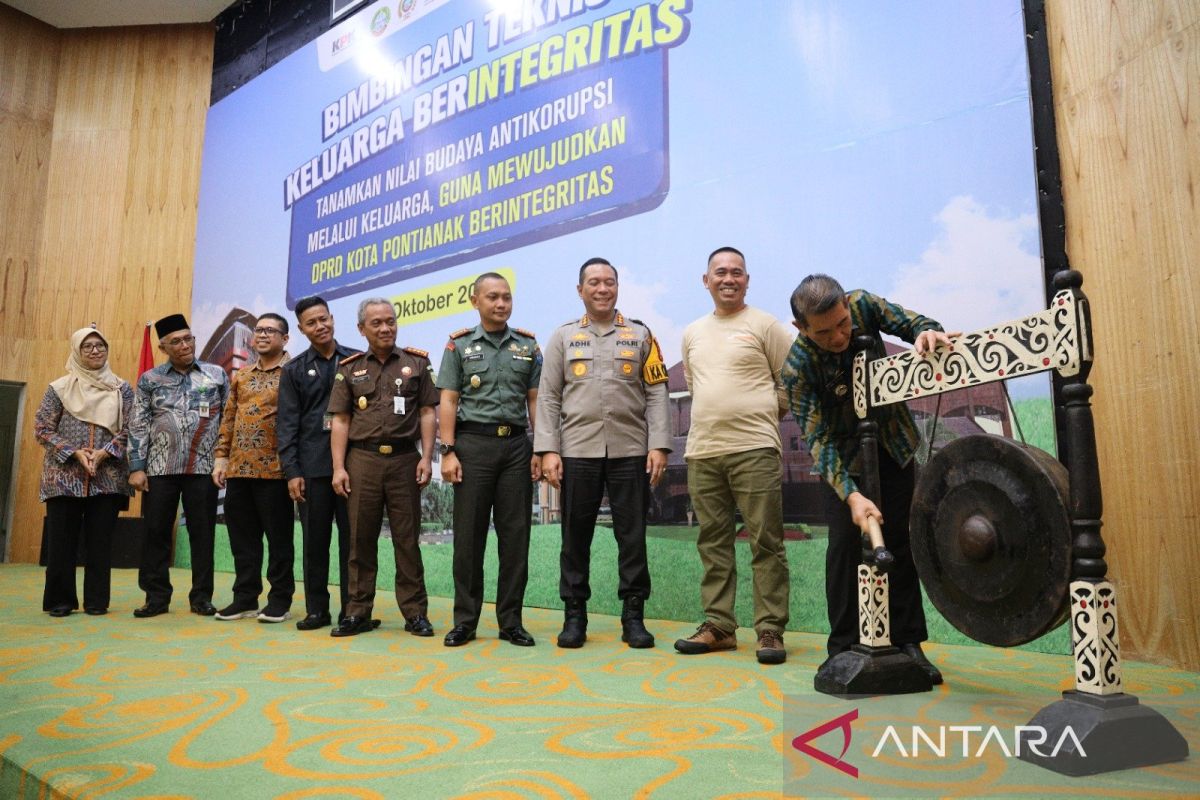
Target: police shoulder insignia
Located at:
point(348, 359)
point(416, 351)
point(524, 332)
point(654, 370)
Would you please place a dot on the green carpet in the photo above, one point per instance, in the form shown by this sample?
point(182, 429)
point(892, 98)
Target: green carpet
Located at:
point(674, 568)
point(182, 706)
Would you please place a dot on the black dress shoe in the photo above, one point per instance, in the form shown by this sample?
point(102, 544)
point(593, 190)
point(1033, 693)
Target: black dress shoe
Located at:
point(204, 608)
point(313, 621)
point(95, 612)
point(352, 626)
point(458, 636)
point(913, 651)
point(517, 635)
point(419, 626)
point(60, 611)
point(150, 610)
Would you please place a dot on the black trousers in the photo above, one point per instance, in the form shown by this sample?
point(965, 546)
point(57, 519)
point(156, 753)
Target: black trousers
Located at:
point(254, 507)
point(159, 505)
point(844, 554)
point(66, 518)
point(496, 484)
point(583, 487)
point(320, 508)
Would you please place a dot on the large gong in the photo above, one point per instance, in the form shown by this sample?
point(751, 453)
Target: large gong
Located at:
point(991, 537)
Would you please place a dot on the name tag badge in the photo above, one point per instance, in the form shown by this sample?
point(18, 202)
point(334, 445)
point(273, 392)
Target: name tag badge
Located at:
point(327, 422)
point(398, 405)
point(204, 408)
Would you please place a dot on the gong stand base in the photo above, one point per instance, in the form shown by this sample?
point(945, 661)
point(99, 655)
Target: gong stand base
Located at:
point(1114, 732)
point(864, 670)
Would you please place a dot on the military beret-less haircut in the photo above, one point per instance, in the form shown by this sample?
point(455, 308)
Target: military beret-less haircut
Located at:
point(593, 261)
point(283, 323)
point(816, 294)
point(486, 277)
point(371, 301)
point(726, 249)
point(309, 302)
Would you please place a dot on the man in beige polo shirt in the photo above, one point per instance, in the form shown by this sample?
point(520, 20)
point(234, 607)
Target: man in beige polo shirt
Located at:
point(732, 359)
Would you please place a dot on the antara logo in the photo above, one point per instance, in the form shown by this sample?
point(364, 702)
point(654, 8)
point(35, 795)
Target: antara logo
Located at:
point(1031, 737)
point(801, 743)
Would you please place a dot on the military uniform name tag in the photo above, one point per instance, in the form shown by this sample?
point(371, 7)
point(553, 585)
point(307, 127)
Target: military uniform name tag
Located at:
point(398, 405)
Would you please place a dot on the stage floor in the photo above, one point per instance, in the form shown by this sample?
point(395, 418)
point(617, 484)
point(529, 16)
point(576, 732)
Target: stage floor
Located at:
point(183, 706)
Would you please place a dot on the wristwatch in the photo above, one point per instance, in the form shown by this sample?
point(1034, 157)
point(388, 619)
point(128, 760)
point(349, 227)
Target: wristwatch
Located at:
point(445, 449)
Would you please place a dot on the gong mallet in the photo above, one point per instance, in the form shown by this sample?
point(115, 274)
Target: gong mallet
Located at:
point(879, 555)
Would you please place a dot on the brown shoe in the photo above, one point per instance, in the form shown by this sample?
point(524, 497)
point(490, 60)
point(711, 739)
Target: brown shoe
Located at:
point(708, 638)
point(770, 648)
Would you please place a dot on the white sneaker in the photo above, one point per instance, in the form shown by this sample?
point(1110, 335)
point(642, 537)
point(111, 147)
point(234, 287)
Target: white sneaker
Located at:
point(269, 614)
point(235, 611)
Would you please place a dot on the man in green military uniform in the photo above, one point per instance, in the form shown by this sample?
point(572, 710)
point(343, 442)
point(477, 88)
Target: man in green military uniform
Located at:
point(382, 403)
point(488, 380)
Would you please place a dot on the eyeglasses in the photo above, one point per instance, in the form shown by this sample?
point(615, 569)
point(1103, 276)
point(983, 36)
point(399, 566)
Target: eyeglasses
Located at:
point(267, 331)
point(180, 341)
point(93, 347)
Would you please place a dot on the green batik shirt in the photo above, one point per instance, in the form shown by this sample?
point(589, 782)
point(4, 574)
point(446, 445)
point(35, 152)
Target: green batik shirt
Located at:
point(492, 374)
point(818, 385)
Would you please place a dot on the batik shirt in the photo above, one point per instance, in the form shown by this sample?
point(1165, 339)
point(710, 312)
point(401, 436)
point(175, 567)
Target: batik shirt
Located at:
point(818, 385)
point(247, 436)
point(176, 419)
point(62, 434)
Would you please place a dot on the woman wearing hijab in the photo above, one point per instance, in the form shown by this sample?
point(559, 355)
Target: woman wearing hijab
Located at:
point(83, 422)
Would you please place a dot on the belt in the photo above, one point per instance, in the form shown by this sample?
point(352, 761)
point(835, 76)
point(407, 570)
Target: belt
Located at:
point(490, 429)
point(386, 447)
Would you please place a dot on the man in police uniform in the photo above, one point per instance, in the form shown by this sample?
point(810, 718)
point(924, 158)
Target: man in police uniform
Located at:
point(489, 378)
point(382, 403)
point(602, 425)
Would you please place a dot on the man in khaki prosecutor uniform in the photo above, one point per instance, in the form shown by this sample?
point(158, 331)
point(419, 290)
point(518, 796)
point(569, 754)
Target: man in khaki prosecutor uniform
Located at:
point(489, 378)
point(602, 425)
point(382, 403)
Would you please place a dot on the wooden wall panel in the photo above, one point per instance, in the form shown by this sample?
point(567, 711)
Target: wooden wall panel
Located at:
point(28, 79)
point(1127, 94)
point(117, 216)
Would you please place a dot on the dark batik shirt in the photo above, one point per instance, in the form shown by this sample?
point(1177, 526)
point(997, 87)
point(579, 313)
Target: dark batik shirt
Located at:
point(818, 384)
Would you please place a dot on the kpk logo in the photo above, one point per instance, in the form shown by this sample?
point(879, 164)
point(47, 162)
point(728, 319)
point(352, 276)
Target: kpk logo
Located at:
point(943, 742)
point(342, 42)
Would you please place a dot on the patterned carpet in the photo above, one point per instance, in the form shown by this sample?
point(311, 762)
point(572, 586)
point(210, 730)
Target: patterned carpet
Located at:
point(182, 706)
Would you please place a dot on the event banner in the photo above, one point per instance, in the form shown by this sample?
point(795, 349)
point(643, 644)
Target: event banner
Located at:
point(558, 122)
point(419, 143)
